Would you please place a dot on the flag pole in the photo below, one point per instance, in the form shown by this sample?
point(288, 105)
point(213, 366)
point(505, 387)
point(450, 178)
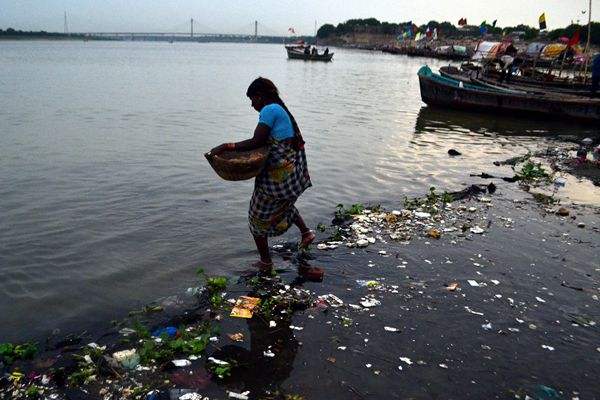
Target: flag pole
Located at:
point(587, 45)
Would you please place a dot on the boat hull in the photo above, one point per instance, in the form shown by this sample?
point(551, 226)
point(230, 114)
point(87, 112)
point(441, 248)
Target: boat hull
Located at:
point(447, 94)
point(297, 55)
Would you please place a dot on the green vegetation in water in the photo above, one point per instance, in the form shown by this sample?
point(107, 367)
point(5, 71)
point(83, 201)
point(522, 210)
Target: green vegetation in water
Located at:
point(531, 171)
point(342, 213)
point(221, 370)
point(267, 307)
point(321, 227)
point(428, 203)
point(88, 362)
point(215, 286)
point(337, 235)
point(9, 353)
point(33, 391)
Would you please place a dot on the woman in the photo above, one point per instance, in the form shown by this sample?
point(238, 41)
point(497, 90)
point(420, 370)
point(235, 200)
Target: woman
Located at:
point(285, 175)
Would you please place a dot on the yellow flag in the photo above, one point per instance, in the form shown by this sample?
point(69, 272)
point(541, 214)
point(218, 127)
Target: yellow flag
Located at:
point(542, 21)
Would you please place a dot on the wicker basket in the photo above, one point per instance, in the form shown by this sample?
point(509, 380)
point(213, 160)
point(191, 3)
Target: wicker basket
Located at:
point(238, 165)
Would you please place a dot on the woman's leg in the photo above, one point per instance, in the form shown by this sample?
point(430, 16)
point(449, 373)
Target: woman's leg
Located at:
point(262, 245)
point(307, 235)
point(299, 222)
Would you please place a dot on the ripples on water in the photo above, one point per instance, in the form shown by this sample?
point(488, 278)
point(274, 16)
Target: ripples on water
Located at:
point(107, 201)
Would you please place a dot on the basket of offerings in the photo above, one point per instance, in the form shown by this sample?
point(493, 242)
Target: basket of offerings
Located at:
point(238, 165)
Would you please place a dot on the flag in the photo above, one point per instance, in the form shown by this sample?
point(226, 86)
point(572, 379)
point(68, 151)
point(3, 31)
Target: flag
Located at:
point(494, 23)
point(408, 30)
point(419, 36)
point(291, 30)
point(574, 40)
point(483, 28)
point(428, 32)
point(542, 21)
point(462, 22)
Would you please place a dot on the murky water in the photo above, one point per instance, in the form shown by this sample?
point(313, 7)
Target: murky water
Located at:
point(107, 202)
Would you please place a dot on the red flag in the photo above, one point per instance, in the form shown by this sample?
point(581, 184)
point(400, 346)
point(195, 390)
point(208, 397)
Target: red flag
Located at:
point(462, 22)
point(574, 40)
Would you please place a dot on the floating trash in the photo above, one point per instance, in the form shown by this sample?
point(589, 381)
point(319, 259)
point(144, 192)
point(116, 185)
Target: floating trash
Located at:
point(244, 307)
point(181, 363)
point(370, 303)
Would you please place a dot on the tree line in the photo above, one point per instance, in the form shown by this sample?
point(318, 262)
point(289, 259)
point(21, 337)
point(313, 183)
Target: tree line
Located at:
point(449, 30)
point(13, 32)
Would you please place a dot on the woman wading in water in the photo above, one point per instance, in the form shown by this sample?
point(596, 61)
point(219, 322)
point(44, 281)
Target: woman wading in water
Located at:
point(285, 175)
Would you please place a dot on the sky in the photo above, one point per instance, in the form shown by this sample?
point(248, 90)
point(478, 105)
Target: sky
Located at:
point(274, 16)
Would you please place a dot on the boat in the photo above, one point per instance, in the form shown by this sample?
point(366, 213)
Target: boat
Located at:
point(438, 90)
point(469, 75)
point(297, 53)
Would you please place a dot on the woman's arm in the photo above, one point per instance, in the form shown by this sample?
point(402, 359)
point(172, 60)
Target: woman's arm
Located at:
point(261, 135)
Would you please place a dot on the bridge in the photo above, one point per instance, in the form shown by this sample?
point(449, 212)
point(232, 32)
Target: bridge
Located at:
point(192, 35)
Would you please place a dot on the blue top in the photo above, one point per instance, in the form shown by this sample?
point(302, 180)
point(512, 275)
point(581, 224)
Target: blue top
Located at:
point(276, 118)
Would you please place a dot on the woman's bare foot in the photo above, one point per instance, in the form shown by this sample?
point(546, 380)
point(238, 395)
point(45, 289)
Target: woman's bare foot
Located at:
point(263, 266)
point(307, 238)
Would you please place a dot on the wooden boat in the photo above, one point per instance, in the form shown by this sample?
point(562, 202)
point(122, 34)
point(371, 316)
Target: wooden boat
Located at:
point(295, 53)
point(439, 90)
point(471, 76)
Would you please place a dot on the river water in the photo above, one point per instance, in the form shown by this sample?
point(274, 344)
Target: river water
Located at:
point(106, 200)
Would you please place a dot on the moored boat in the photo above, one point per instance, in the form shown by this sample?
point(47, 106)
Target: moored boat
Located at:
point(299, 54)
point(440, 90)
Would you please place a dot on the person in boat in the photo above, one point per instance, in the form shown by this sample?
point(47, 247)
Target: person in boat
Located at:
point(307, 50)
point(314, 51)
point(596, 74)
point(285, 176)
point(506, 62)
point(326, 52)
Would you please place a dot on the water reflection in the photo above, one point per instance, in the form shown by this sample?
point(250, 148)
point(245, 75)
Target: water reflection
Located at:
point(256, 371)
point(440, 120)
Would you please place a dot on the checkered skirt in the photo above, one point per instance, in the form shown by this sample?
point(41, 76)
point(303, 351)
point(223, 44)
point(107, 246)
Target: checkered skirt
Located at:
point(276, 189)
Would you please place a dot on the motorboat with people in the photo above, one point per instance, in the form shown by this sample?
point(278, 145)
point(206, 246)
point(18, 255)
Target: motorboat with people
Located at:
point(301, 51)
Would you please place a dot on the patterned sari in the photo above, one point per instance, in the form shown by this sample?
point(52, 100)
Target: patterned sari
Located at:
point(276, 189)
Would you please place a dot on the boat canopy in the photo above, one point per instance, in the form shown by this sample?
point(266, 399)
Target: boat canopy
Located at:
point(486, 50)
point(553, 50)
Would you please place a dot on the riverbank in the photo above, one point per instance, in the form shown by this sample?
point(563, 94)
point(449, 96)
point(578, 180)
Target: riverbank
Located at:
point(472, 294)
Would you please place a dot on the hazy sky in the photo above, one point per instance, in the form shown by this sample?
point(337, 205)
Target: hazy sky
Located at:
point(274, 16)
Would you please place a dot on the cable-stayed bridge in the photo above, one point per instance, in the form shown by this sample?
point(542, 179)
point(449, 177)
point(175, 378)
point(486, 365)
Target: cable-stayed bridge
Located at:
point(255, 32)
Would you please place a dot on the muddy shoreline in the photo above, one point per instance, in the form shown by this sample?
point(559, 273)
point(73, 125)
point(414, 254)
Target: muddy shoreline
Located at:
point(492, 295)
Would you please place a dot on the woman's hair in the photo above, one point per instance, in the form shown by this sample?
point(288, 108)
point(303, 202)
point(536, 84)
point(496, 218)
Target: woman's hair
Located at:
point(266, 89)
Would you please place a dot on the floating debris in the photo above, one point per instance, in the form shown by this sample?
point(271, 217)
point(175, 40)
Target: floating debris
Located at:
point(244, 307)
point(368, 303)
point(473, 312)
point(181, 363)
point(236, 337)
point(239, 396)
point(477, 230)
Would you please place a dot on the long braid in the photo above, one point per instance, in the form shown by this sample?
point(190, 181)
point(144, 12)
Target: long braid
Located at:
point(294, 123)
